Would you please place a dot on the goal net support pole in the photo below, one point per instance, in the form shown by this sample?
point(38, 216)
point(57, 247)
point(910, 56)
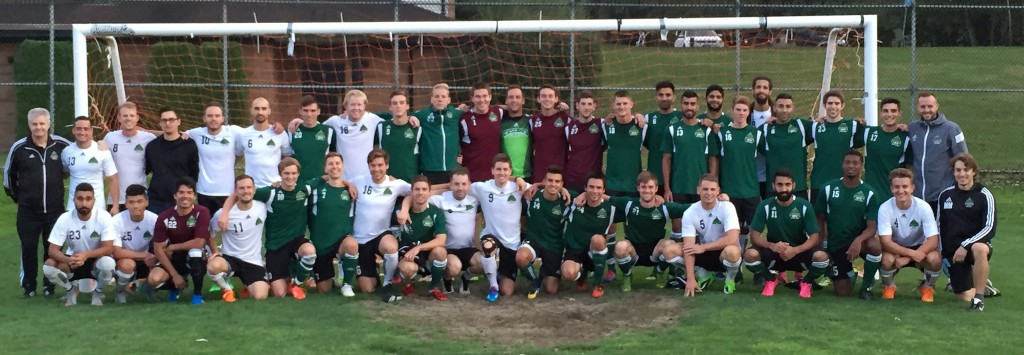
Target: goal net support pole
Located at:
point(869, 24)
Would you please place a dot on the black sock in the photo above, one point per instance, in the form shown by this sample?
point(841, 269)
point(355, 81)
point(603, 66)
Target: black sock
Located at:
point(198, 271)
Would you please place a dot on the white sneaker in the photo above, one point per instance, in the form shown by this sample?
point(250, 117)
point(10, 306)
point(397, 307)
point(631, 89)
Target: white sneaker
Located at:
point(97, 298)
point(71, 298)
point(346, 290)
point(120, 297)
point(87, 285)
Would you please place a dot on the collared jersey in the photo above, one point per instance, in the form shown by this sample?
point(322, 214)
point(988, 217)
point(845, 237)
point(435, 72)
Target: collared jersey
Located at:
point(263, 151)
point(502, 207)
point(355, 141)
point(460, 215)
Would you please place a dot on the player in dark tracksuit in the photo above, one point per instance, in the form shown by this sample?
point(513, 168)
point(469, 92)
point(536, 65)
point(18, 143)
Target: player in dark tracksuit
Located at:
point(967, 224)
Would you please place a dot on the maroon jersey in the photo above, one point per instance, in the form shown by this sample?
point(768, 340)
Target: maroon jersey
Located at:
point(175, 229)
point(586, 146)
point(481, 141)
point(549, 142)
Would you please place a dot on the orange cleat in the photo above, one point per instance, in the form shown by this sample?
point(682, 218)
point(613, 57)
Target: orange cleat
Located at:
point(228, 296)
point(243, 293)
point(597, 292)
point(889, 292)
point(438, 294)
point(927, 294)
point(297, 292)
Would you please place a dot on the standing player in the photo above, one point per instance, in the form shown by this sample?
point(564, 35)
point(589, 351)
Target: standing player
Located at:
point(330, 221)
point(658, 124)
point(909, 236)
point(460, 215)
point(586, 237)
point(216, 144)
point(134, 227)
point(423, 239)
point(847, 210)
point(242, 243)
point(400, 139)
point(178, 239)
point(355, 132)
point(33, 180)
point(439, 147)
point(169, 158)
point(644, 218)
point(480, 131)
point(86, 162)
point(261, 146)
point(885, 148)
point(501, 202)
point(792, 241)
point(714, 97)
point(545, 221)
point(550, 145)
point(710, 232)
point(690, 151)
point(785, 144)
point(967, 224)
point(89, 234)
point(833, 137)
point(128, 148)
point(311, 140)
point(515, 133)
point(585, 144)
point(759, 114)
point(739, 141)
point(934, 140)
point(624, 136)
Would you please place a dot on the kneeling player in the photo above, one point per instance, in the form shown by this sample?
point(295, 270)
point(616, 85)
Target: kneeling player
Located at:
point(967, 224)
point(89, 234)
point(242, 241)
point(586, 241)
point(644, 218)
point(545, 214)
point(711, 232)
point(909, 236)
point(178, 239)
point(330, 221)
point(134, 227)
point(422, 246)
point(792, 243)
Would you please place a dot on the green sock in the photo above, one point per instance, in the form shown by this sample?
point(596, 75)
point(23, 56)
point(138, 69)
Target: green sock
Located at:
point(817, 269)
point(870, 267)
point(437, 272)
point(528, 272)
point(759, 269)
point(348, 264)
point(303, 267)
point(600, 259)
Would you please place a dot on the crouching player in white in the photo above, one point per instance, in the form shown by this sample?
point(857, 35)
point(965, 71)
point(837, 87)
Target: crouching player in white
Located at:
point(89, 234)
point(134, 228)
point(909, 236)
point(711, 232)
point(242, 241)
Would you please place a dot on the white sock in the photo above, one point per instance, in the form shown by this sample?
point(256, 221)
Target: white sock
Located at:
point(731, 269)
point(57, 277)
point(491, 270)
point(104, 272)
point(221, 280)
point(886, 276)
point(123, 279)
point(390, 264)
point(341, 270)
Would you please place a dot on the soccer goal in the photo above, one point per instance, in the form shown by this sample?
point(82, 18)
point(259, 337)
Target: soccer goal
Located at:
point(184, 66)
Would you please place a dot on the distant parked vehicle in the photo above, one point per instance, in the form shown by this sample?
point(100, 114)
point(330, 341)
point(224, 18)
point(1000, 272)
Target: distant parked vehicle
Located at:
point(699, 38)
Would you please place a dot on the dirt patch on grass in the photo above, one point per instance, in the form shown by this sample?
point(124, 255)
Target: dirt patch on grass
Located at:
point(565, 318)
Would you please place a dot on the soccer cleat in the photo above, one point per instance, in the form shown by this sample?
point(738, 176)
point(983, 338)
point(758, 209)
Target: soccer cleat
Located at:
point(464, 287)
point(149, 292)
point(977, 305)
point(706, 281)
point(805, 289)
point(197, 300)
point(121, 297)
point(48, 291)
point(97, 298)
point(492, 296)
point(297, 292)
point(927, 294)
point(172, 296)
point(28, 293)
point(448, 286)
point(71, 298)
point(758, 280)
point(609, 276)
point(660, 279)
point(346, 290)
point(730, 287)
point(388, 295)
point(739, 277)
point(769, 287)
point(990, 290)
point(408, 289)
point(228, 296)
point(654, 275)
point(867, 295)
point(533, 293)
point(720, 276)
point(214, 288)
point(888, 292)
point(597, 292)
point(243, 293)
point(438, 294)
point(581, 286)
point(627, 283)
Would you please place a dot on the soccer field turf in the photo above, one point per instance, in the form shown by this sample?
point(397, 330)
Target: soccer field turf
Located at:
point(647, 320)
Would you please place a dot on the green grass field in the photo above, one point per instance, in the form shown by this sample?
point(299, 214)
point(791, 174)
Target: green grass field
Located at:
point(648, 320)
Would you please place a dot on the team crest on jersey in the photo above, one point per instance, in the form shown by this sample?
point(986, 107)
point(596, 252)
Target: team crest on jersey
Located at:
point(896, 141)
point(716, 221)
point(656, 214)
point(428, 221)
point(224, 141)
point(791, 129)
point(699, 134)
point(593, 129)
point(492, 117)
point(387, 190)
point(94, 234)
point(191, 221)
point(749, 139)
point(259, 221)
point(914, 224)
point(147, 235)
point(53, 156)
point(320, 136)
point(449, 115)
point(469, 207)
point(937, 140)
point(301, 195)
point(93, 160)
point(408, 134)
point(601, 213)
point(270, 143)
point(969, 203)
point(138, 148)
point(559, 123)
point(556, 211)
point(633, 131)
point(794, 214)
point(948, 204)
point(430, 118)
point(31, 156)
point(844, 129)
point(511, 198)
point(298, 134)
point(859, 196)
point(344, 196)
point(362, 128)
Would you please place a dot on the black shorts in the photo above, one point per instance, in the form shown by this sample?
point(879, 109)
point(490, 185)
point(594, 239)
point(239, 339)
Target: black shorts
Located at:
point(645, 253)
point(961, 275)
point(84, 271)
point(841, 265)
point(323, 268)
point(212, 203)
point(438, 177)
point(711, 260)
point(685, 198)
point(745, 209)
point(465, 255)
point(249, 273)
point(141, 270)
point(423, 261)
point(279, 262)
point(179, 261)
point(507, 267)
point(773, 261)
point(368, 256)
point(582, 257)
point(551, 260)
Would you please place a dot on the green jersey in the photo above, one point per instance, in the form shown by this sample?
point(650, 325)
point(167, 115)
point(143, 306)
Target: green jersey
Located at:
point(784, 145)
point(883, 151)
point(585, 221)
point(330, 217)
point(402, 143)
point(440, 145)
point(286, 213)
point(846, 210)
point(721, 120)
point(545, 220)
point(738, 162)
point(657, 128)
point(309, 146)
point(791, 224)
point(831, 142)
point(646, 225)
point(515, 141)
point(424, 226)
point(624, 142)
point(690, 147)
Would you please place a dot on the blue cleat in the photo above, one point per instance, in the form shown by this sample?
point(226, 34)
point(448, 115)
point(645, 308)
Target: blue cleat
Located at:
point(172, 297)
point(493, 295)
point(197, 300)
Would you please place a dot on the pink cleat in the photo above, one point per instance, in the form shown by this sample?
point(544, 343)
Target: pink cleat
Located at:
point(769, 288)
point(805, 289)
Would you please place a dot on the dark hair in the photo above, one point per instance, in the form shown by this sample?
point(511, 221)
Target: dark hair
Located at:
point(378, 153)
point(542, 88)
point(585, 94)
point(622, 93)
point(460, 171)
point(398, 93)
point(596, 175)
point(165, 109)
point(83, 118)
point(479, 86)
point(689, 94)
point(783, 172)
point(334, 154)
point(186, 181)
point(135, 190)
point(213, 104)
point(500, 158)
point(783, 96)
point(856, 153)
point(84, 187)
point(765, 78)
point(714, 87)
point(307, 100)
point(555, 169)
point(890, 100)
point(420, 178)
point(833, 93)
point(664, 84)
point(967, 159)
point(244, 177)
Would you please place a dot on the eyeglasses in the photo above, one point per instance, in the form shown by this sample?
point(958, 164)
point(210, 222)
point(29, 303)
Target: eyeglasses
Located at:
point(166, 120)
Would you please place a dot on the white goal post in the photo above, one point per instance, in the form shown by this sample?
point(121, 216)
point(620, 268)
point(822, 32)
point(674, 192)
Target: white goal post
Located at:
point(869, 24)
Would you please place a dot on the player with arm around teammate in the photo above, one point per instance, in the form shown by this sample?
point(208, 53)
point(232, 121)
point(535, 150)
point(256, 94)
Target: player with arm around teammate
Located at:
point(178, 239)
point(242, 243)
point(644, 218)
point(331, 218)
point(422, 244)
point(909, 236)
point(89, 235)
point(134, 227)
point(545, 214)
point(586, 237)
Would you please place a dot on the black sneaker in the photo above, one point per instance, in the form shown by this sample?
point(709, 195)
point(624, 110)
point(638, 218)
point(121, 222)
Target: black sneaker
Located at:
point(29, 293)
point(739, 277)
point(758, 280)
point(48, 291)
point(388, 294)
point(464, 289)
point(448, 287)
point(677, 283)
point(867, 295)
point(977, 305)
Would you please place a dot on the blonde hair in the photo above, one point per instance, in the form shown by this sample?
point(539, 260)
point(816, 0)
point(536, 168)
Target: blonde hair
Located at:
point(440, 86)
point(354, 94)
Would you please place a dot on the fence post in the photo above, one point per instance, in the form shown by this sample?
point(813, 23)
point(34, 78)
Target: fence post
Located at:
point(394, 45)
point(572, 60)
point(53, 75)
point(736, 41)
point(913, 51)
point(224, 65)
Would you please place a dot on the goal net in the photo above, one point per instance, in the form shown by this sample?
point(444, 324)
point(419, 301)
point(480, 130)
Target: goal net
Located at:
point(184, 67)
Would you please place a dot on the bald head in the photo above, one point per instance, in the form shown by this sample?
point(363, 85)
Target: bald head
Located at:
point(260, 110)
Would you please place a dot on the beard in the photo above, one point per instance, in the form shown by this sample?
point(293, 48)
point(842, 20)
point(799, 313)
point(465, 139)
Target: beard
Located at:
point(761, 99)
point(714, 107)
point(83, 211)
point(784, 196)
point(260, 118)
point(687, 114)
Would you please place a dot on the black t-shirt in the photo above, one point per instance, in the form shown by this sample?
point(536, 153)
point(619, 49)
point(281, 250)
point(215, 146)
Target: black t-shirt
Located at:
point(168, 161)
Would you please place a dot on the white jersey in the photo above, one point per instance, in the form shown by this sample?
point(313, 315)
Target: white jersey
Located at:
point(502, 208)
point(910, 227)
point(129, 155)
point(89, 165)
point(82, 236)
point(132, 235)
point(244, 237)
point(263, 151)
point(375, 205)
point(708, 226)
point(355, 141)
point(460, 217)
point(757, 118)
point(216, 159)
